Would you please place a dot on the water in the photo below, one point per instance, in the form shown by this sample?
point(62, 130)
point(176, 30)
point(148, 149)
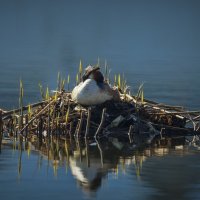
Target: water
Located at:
point(156, 42)
point(152, 173)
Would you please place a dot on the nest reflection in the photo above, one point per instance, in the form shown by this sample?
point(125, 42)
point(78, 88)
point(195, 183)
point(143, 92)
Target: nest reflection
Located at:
point(92, 162)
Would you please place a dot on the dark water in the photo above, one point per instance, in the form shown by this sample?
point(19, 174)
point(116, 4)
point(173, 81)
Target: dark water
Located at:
point(156, 42)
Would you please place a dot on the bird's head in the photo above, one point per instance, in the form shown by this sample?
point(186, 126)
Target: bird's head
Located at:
point(93, 73)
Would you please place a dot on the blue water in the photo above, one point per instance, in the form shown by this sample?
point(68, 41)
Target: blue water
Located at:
point(156, 42)
point(155, 173)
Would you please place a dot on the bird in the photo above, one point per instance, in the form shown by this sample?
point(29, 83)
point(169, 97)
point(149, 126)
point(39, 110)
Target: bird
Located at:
point(93, 90)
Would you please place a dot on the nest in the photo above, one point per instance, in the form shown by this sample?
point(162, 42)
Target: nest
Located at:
point(129, 119)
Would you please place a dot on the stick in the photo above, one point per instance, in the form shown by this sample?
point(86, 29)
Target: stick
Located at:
point(130, 134)
point(38, 114)
point(172, 127)
point(175, 113)
point(101, 123)
point(87, 153)
point(26, 130)
point(151, 103)
point(80, 124)
point(195, 118)
point(6, 113)
point(88, 123)
point(100, 151)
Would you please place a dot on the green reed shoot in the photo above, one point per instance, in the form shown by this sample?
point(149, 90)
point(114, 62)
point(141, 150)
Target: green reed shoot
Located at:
point(77, 79)
point(63, 84)
point(80, 70)
point(142, 96)
point(115, 80)
point(58, 81)
point(47, 94)
point(68, 81)
point(56, 96)
point(67, 115)
point(107, 72)
point(21, 94)
point(119, 81)
point(140, 93)
point(122, 83)
point(29, 112)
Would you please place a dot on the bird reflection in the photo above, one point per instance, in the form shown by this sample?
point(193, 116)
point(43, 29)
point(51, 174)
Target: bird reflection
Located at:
point(87, 165)
point(91, 162)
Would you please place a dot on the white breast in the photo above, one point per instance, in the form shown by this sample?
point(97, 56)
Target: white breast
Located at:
point(89, 93)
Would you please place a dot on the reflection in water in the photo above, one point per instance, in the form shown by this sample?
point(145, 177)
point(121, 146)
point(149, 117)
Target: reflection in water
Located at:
point(167, 168)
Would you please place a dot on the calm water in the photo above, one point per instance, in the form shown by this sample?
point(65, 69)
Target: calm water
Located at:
point(154, 173)
point(156, 42)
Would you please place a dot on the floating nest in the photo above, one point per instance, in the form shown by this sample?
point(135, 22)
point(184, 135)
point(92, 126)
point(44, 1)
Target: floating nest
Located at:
point(130, 119)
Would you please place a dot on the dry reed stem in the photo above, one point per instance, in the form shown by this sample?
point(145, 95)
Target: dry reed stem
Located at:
point(37, 115)
point(88, 122)
point(130, 134)
point(80, 124)
point(10, 112)
point(101, 123)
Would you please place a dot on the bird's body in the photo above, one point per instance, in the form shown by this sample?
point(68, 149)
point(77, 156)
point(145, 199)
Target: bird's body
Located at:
point(93, 90)
point(89, 93)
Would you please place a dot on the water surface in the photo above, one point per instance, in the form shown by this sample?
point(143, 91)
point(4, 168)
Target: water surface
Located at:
point(156, 42)
point(151, 173)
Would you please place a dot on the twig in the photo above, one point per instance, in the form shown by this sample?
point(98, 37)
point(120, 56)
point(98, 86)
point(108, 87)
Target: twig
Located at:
point(38, 114)
point(100, 151)
point(26, 130)
point(80, 124)
point(193, 123)
point(88, 122)
point(130, 136)
point(6, 113)
point(87, 153)
point(175, 113)
point(195, 118)
point(101, 123)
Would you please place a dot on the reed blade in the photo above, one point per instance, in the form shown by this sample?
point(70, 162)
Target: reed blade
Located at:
point(47, 94)
point(68, 81)
point(80, 70)
point(119, 80)
point(67, 115)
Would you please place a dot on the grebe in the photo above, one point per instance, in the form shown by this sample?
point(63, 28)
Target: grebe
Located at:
point(93, 89)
